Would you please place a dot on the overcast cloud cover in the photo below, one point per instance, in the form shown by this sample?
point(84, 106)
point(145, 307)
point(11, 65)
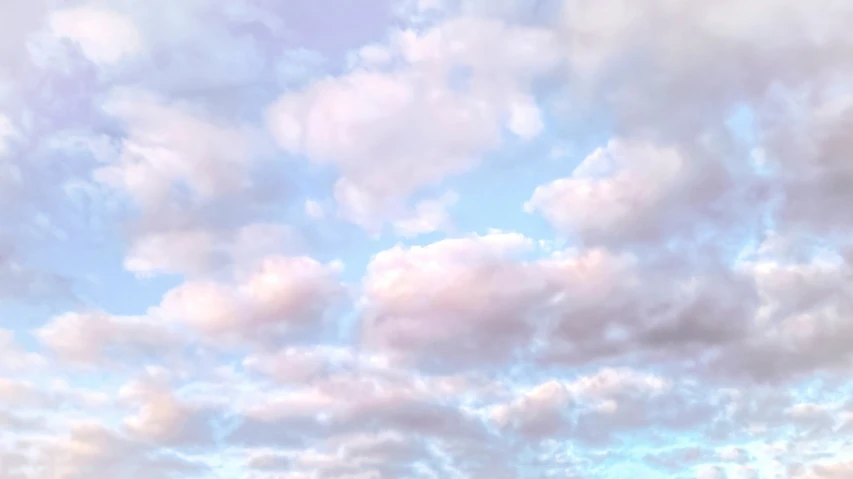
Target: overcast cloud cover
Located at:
point(426, 239)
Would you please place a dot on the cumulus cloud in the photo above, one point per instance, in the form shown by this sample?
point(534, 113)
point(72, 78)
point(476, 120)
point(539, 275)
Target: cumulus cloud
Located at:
point(16, 358)
point(464, 299)
point(429, 216)
point(538, 413)
point(89, 337)
point(8, 132)
point(90, 448)
point(169, 147)
point(477, 300)
point(196, 181)
point(162, 417)
point(105, 36)
point(393, 132)
point(282, 296)
point(21, 281)
point(632, 190)
point(828, 470)
point(799, 326)
point(195, 252)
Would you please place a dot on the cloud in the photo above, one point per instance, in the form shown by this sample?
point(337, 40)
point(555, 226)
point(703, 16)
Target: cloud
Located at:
point(378, 110)
point(283, 296)
point(636, 191)
point(200, 251)
point(678, 459)
point(24, 282)
point(828, 471)
point(675, 305)
point(710, 472)
point(169, 147)
point(90, 337)
point(197, 183)
point(105, 36)
point(16, 358)
point(8, 132)
point(429, 216)
point(474, 300)
point(808, 151)
point(297, 365)
point(15, 392)
point(348, 402)
point(314, 209)
point(162, 417)
point(463, 299)
point(393, 132)
point(799, 327)
point(90, 448)
point(598, 408)
point(363, 455)
point(538, 413)
point(525, 118)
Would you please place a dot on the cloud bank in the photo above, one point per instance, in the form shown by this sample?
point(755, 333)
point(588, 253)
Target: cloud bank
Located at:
point(426, 239)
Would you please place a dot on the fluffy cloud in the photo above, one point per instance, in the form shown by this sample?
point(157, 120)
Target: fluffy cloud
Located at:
point(364, 455)
point(169, 147)
point(195, 181)
point(8, 132)
point(800, 326)
point(537, 413)
point(429, 216)
point(391, 132)
point(90, 448)
point(104, 36)
point(828, 471)
point(283, 296)
point(633, 190)
point(808, 149)
point(195, 252)
point(599, 408)
point(162, 417)
point(475, 300)
point(654, 86)
point(20, 281)
point(464, 299)
point(88, 337)
point(16, 358)
point(341, 404)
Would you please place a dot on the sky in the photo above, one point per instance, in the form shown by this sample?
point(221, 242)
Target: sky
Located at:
point(426, 239)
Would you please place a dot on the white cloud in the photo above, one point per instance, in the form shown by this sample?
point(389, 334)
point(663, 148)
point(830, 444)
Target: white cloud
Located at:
point(170, 252)
point(391, 133)
point(476, 300)
point(281, 297)
point(195, 252)
point(429, 215)
point(161, 416)
point(314, 209)
point(104, 35)
point(633, 191)
point(17, 359)
point(89, 448)
point(7, 133)
point(88, 338)
point(537, 413)
point(169, 147)
point(525, 118)
point(428, 301)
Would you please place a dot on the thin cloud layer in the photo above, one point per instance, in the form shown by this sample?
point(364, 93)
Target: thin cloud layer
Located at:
point(425, 239)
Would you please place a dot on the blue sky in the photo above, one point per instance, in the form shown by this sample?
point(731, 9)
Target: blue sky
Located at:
point(425, 239)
